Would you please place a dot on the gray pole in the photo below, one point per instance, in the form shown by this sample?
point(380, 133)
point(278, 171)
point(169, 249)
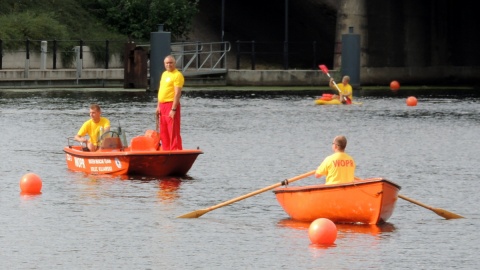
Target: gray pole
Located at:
point(223, 20)
point(351, 57)
point(160, 47)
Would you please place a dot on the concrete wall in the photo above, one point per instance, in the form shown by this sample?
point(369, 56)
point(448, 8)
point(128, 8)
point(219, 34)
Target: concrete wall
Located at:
point(430, 76)
point(275, 77)
point(17, 60)
point(368, 76)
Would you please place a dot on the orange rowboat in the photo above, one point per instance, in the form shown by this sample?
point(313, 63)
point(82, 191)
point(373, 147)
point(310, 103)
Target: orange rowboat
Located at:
point(368, 201)
point(141, 157)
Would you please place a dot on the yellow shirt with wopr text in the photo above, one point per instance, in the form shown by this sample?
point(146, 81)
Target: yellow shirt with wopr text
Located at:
point(338, 168)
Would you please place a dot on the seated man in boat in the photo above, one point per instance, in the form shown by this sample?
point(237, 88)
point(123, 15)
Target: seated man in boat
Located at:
point(345, 92)
point(339, 167)
point(94, 128)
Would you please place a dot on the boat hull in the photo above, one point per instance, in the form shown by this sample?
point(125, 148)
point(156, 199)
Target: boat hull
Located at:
point(369, 201)
point(122, 162)
point(328, 102)
point(143, 156)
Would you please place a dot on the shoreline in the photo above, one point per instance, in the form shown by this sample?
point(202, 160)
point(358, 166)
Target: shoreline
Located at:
point(383, 91)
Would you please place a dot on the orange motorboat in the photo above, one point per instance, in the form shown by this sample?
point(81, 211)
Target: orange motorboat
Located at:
point(368, 201)
point(143, 156)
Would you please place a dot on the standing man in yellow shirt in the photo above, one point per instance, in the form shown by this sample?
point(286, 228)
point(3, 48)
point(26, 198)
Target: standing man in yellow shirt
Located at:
point(339, 167)
point(168, 107)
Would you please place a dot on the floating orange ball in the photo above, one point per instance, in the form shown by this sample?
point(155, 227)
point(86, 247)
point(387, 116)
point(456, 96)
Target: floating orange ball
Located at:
point(31, 184)
point(394, 85)
point(411, 101)
point(322, 231)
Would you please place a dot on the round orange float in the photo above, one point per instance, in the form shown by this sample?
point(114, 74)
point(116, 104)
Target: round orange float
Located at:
point(411, 101)
point(394, 85)
point(31, 184)
point(322, 231)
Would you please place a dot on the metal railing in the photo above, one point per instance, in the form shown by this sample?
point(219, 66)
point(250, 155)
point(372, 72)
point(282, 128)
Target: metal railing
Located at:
point(193, 58)
point(198, 58)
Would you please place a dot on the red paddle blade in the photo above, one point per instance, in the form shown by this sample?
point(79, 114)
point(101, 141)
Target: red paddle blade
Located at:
point(348, 101)
point(323, 68)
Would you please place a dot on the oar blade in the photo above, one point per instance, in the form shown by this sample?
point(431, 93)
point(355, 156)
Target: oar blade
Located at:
point(441, 212)
point(194, 214)
point(446, 214)
point(323, 68)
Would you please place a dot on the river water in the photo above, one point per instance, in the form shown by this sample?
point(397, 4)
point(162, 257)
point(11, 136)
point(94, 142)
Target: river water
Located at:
point(250, 141)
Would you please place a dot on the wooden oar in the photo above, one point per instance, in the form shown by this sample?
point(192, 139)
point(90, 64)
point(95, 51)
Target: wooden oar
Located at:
point(441, 212)
point(201, 212)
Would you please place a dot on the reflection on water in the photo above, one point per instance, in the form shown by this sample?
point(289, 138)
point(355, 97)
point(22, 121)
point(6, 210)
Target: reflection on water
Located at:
point(168, 189)
point(98, 186)
point(373, 229)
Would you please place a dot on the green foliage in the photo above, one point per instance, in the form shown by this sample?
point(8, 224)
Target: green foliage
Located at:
point(175, 15)
point(95, 21)
point(64, 21)
point(20, 26)
point(138, 18)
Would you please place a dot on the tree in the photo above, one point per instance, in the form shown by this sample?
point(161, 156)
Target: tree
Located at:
point(138, 18)
point(20, 26)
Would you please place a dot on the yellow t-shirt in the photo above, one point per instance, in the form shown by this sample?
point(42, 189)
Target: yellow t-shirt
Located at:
point(338, 168)
point(346, 90)
point(93, 129)
point(169, 80)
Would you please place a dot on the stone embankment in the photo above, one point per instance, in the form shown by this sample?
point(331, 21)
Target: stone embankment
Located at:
point(373, 81)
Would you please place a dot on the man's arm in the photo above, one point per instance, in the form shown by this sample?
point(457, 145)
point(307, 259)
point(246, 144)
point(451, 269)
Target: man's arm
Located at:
point(176, 100)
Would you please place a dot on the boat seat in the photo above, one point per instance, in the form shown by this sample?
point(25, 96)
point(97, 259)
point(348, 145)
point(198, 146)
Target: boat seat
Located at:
point(142, 143)
point(111, 143)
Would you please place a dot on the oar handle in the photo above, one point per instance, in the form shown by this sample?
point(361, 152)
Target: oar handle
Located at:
point(284, 182)
point(340, 92)
point(198, 213)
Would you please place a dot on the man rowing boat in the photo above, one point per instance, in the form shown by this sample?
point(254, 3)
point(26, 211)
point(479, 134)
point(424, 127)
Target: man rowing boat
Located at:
point(339, 167)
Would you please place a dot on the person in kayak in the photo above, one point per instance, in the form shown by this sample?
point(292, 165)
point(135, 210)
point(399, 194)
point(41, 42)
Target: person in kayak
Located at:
point(345, 92)
point(339, 167)
point(94, 128)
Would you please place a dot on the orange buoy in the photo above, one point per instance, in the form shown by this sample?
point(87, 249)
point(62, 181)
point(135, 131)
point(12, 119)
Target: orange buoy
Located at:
point(31, 184)
point(322, 231)
point(394, 85)
point(411, 101)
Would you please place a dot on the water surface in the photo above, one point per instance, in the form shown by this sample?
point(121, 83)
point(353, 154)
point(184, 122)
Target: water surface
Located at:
point(250, 142)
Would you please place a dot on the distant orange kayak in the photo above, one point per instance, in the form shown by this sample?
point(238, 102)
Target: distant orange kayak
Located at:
point(368, 201)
